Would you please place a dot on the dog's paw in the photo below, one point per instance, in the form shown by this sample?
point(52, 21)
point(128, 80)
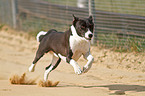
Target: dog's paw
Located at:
point(32, 68)
point(86, 69)
point(46, 73)
point(78, 70)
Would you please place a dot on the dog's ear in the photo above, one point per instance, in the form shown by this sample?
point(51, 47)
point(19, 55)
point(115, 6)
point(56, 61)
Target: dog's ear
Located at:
point(75, 19)
point(91, 18)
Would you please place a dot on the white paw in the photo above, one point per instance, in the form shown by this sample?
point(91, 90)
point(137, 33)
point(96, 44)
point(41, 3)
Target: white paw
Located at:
point(32, 68)
point(78, 70)
point(45, 76)
point(46, 73)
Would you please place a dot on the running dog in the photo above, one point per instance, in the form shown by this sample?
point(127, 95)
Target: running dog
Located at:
point(68, 46)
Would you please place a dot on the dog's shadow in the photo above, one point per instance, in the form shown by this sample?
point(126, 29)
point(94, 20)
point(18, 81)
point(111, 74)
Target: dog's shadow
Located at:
point(120, 87)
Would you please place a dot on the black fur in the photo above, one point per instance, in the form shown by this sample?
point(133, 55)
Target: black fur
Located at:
point(42, 36)
point(50, 43)
point(58, 42)
point(69, 56)
point(57, 63)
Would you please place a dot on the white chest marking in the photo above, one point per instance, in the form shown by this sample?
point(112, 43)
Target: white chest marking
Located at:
point(79, 45)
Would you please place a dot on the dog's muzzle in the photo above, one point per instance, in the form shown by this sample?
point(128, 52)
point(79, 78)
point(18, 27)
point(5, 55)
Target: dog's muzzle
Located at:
point(88, 35)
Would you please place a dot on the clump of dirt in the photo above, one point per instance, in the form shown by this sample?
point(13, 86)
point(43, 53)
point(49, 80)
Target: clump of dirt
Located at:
point(47, 83)
point(21, 80)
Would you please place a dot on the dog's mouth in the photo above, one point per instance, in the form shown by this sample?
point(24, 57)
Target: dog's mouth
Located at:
point(88, 38)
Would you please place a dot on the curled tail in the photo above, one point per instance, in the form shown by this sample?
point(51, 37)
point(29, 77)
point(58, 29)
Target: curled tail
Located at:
point(40, 35)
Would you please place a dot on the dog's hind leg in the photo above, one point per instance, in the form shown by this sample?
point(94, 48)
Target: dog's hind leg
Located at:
point(40, 52)
point(55, 62)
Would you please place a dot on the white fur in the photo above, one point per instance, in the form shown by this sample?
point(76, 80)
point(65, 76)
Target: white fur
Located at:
point(88, 33)
point(46, 73)
point(62, 57)
point(79, 45)
point(32, 68)
point(76, 67)
point(55, 54)
point(54, 61)
point(39, 34)
point(74, 64)
point(90, 59)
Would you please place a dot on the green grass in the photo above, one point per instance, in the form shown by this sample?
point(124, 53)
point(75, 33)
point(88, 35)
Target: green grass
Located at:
point(134, 7)
point(123, 44)
point(1, 26)
point(63, 2)
point(33, 25)
point(108, 39)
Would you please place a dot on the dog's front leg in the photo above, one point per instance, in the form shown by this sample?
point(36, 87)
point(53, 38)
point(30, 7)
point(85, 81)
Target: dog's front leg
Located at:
point(76, 67)
point(72, 62)
point(90, 59)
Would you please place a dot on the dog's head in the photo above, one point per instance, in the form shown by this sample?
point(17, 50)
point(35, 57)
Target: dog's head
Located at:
point(84, 27)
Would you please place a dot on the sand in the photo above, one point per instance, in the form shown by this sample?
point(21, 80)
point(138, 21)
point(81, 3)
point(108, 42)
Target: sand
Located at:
point(112, 73)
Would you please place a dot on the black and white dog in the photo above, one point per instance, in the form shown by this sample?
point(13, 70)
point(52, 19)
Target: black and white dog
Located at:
point(68, 46)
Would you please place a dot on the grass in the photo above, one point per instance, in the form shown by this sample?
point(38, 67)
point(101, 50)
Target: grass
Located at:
point(1, 26)
point(108, 39)
point(63, 2)
point(134, 7)
point(123, 44)
point(33, 25)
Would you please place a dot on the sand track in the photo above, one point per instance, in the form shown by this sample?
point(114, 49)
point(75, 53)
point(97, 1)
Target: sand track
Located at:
point(111, 74)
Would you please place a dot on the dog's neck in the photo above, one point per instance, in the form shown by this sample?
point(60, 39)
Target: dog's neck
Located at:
point(78, 43)
point(74, 32)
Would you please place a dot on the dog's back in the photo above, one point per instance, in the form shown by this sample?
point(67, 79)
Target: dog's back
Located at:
point(68, 46)
point(42, 34)
point(54, 40)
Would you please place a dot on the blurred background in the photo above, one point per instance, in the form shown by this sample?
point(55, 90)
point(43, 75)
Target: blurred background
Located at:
point(119, 24)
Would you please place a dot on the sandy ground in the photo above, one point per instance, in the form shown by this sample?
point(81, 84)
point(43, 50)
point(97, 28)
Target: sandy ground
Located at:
point(112, 73)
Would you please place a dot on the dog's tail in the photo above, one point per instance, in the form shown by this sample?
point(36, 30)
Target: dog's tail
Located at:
point(40, 35)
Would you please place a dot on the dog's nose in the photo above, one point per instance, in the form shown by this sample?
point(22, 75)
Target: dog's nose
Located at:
point(90, 35)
